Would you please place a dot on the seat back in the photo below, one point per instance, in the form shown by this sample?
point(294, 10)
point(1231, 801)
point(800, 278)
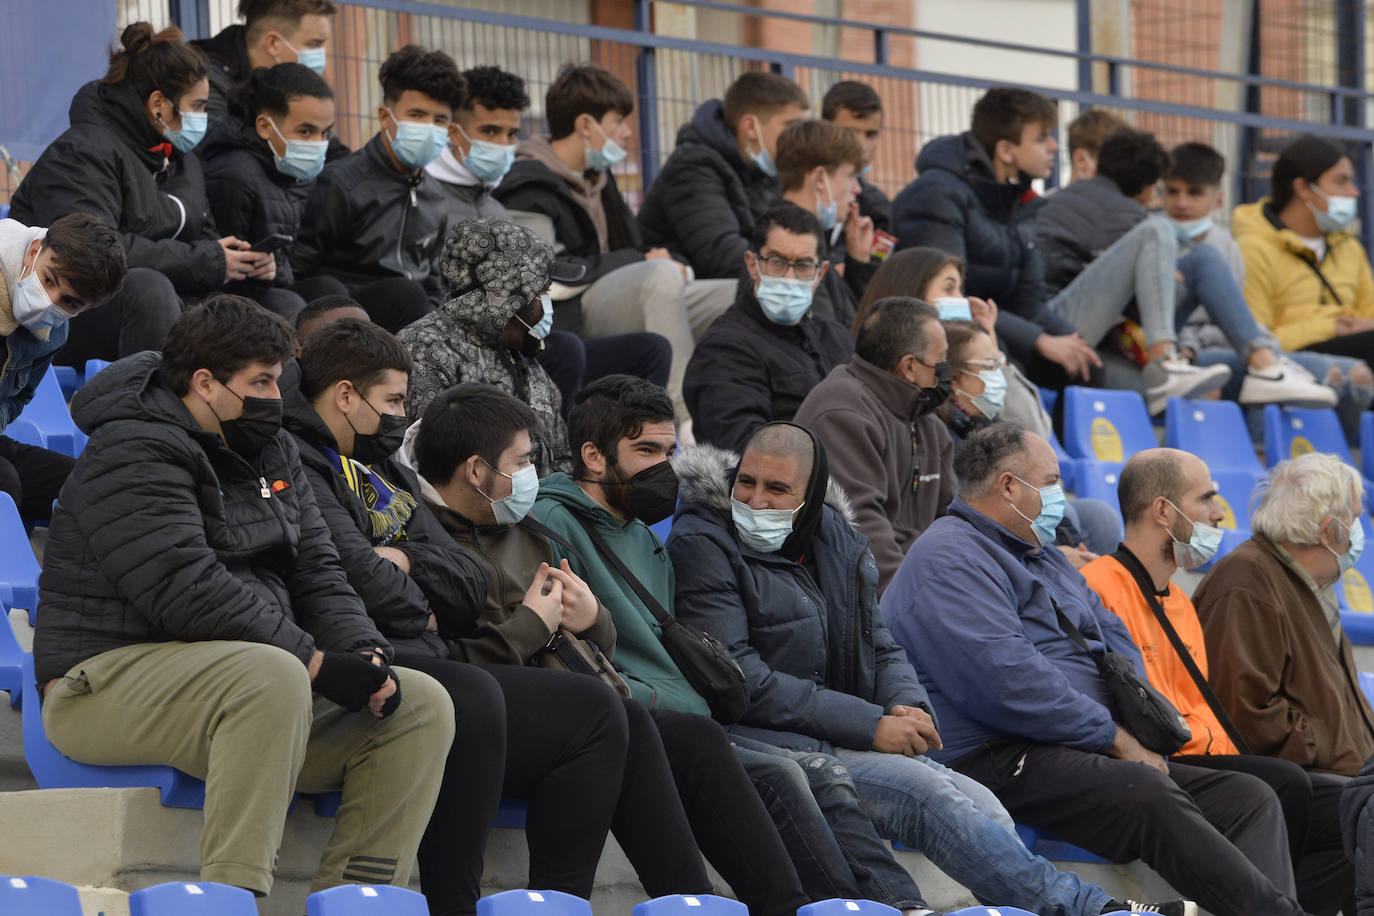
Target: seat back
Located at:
point(184, 898)
point(1097, 480)
point(991, 911)
point(1103, 425)
point(19, 567)
point(49, 412)
point(1293, 431)
point(1234, 491)
point(1215, 431)
point(366, 900)
point(689, 905)
point(30, 896)
point(841, 907)
point(534, 903)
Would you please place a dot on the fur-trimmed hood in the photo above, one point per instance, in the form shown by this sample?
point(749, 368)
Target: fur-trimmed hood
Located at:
point(705, 473)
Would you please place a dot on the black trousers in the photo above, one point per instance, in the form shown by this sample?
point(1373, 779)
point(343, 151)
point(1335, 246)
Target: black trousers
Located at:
point(1311, 805)
point(1217, 837)
point(1360, 345)
point(32, 476)
point(392, 303)
point(573, 361)
point(136, 318)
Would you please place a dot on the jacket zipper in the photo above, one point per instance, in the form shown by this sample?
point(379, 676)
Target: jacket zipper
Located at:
point(400, 236)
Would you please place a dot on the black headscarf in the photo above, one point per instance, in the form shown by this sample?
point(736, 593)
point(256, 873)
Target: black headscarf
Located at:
point(808, 519)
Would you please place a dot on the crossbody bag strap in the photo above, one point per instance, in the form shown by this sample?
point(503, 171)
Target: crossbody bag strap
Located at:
point(1067, 626)
point(1316, 269)
point(534, 526)
point(647, 597)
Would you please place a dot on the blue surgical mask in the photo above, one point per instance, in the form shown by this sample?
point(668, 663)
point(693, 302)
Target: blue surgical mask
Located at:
point(1046, 522)
point(417, 143)
point(1201, 545)
point(829, 213)
point(1192, 230)
point(763, 530)
point(1340, 211)
point(868, 167)
point(1352, 553)
point(994, 396)
point(544, 325)
point(763, 159)
point(487, 161)
point(953, 308)
point(314, 58)
point(784, 300)
point(193, 124)
point(608, 157)
point(32, 307)
point(524, 489)
point(304, 159)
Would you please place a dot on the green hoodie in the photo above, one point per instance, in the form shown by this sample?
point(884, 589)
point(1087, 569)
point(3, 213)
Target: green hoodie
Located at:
point(639, 654)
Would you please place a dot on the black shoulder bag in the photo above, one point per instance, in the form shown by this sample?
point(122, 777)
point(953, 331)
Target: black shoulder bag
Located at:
point(1144, 711)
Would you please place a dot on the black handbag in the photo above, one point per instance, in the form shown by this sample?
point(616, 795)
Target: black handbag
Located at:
point(1141, 709)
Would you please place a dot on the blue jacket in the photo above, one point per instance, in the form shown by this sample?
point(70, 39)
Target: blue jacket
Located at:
point(971, 605)
point(822, 666)
point(24, 356)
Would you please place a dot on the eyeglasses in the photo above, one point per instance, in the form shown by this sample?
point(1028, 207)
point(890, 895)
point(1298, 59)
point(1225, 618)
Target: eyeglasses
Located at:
point(999, 363)
point(776, 266)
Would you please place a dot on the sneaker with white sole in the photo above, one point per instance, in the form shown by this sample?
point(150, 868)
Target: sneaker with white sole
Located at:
point(1169, 908)
point(1285, 382)
point(1173, 376)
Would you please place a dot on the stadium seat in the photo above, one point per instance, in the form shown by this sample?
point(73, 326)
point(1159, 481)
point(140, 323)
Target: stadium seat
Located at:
point(1234, 489)
point(21, 430)
point(689, 905)
point(839, 907)
point(1355, 594)
point(30, 896)
point(1048, 398)
point(991, 911)
point(1367, 444)
point(69, 379)
point(535, 903)
point(1293, 431)
point(48, 411)
point(18, 566)
point(1215, 431)
point(1366, 680)
point(1047, 846)
point(366, 900)
point(1097, 480)
point(11, 664)
point(205, 898)
point(1068, 466)
point(93, 366)
point(4, 211)
point(1106, 426)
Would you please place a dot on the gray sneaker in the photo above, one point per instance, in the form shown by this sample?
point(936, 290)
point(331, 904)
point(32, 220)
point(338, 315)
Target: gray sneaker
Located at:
point(1285, 382)
point(1173, 376)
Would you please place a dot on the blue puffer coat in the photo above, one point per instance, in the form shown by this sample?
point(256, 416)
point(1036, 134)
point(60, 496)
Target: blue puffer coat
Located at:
point(821, 664)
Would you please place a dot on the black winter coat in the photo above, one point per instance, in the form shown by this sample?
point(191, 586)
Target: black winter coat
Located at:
point(873, 203)
point(747, 371)
point(162, 533)
point(249, 198)
point(104, 165)
point(1077, 223)
point(443, 579)
point(956, 204)
point(703, 204)
point(366, 222)
point(838, 296)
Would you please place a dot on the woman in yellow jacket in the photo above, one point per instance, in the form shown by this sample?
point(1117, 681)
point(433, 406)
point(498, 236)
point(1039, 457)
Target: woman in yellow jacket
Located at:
point(1307, 278)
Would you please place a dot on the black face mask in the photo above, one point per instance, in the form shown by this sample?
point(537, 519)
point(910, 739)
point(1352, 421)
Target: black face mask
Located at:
point(247, 433)
point(369, 448)
point(936, 394)
point(650, 495)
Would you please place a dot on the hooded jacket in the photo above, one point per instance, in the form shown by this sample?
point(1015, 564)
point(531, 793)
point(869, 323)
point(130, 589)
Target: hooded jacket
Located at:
point(821, 665)
point(460, 340)
point(1284, 283)
point(1077, 223)
point(105, 164)
point(229, 65)
point(469, 197)
point(249, 198)
point(956, 204)
point(747, 370)
point(703, 204)
point(897, 468)
point(654, 678)
point(26, 353)
point(443, 580)
point(162, 533)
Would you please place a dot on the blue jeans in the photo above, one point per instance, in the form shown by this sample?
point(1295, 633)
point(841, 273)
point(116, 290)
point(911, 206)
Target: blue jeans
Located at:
point(1208, 282)
point(832, 842)
point(1092, 522)
point(965, 831)
point(1138, 265)
point(1353, 400)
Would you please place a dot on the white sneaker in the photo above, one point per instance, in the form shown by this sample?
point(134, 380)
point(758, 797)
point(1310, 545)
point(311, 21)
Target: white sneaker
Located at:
point(1285, 382)
point(1174, 377)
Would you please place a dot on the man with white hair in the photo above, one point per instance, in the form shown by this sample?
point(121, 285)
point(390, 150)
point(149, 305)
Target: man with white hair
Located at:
point(1279, 660)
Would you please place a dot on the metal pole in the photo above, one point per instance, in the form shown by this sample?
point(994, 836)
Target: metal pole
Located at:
point(191, 16)
point(1085, 45)
point(1350, 64)
point(1248, 186)
point(880, 46)
point(647, 73)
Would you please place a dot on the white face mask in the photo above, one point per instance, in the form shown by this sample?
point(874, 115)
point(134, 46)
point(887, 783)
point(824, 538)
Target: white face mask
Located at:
point(32, 307)
point(524, 489)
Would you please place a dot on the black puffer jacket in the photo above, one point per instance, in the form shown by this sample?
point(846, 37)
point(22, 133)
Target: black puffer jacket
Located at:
point(956, 204)
point(249, 197)
point(874, 204)
point(443, 579)
point(703, 204)
point(1077, 223)
point(104, 165)
point(161, 533)
point(228, 54)
point(747, 371)
point(366, 221)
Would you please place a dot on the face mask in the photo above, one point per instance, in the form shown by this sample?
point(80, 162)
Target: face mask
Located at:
point(936, 394)
point(304, 159)
point(193, 124)
point(784, 300)
point(1200, 547)
point(544, 325)
point(763, 159)
point(32, 307)
point(953, 308)
point(865, 170)
point(524, 489)
point(1051, 512)
point(417, 143)
point(1352, 553)
point(369, 448)
point(763, 530)
point(650, 495)
point(608, 157)
point(254, 428)
point(487, 161)
point(1193, 229)
point(311, 57)
point(828, 214)
point(994, 396)
point(1340, 211)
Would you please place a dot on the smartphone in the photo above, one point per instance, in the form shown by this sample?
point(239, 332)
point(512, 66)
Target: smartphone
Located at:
point(272, 243)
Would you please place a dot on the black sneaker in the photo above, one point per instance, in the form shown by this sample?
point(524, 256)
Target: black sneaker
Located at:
point(1169, 908)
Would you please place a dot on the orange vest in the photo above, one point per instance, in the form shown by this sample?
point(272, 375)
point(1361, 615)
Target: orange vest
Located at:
point(1120, 594)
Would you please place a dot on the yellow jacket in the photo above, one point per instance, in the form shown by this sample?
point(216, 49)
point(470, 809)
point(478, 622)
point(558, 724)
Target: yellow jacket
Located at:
point(1282, 287)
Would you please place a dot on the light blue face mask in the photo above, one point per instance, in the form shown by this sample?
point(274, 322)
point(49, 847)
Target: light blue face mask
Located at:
point(544, 325)
point(1192, 230)
point(304, 159)
point(524, 489)
point(193, 124)
point(417, 143)
point(1201, 545)
point(784, 300)
point(867, 169)
point(487, 161)
point(608, 157)
point(763, 530)
point(829, 213)
point(994, 396)
point(1352, 553)
point(1051, 513)
point(763, 159)
point(953, 308)
point(314, 58)
point(1340, 211)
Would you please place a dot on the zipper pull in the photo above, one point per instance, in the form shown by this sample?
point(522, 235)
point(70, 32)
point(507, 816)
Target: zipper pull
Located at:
point(266, 492)
point(413, 201)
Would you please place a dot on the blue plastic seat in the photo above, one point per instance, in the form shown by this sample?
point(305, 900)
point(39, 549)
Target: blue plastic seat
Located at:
point(48, 411)
point(1366, 680)
point(536, 903)
point(1234, 490)
point(689, 905)
point(1106, 426)
point(11, 663)
point(21, 430)
point(1048, 846)
point(30, 896)
point(1355, 594)
point(1215, 431)
point(69, 379)
point(991, 911)
point(1293, 431)
point(19, 568)
point(201, 898)
point(1097, 480)
point(94, 366)
point(1068, 465)
point(367, 900)
point(1367, 444)
point(841, 907)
